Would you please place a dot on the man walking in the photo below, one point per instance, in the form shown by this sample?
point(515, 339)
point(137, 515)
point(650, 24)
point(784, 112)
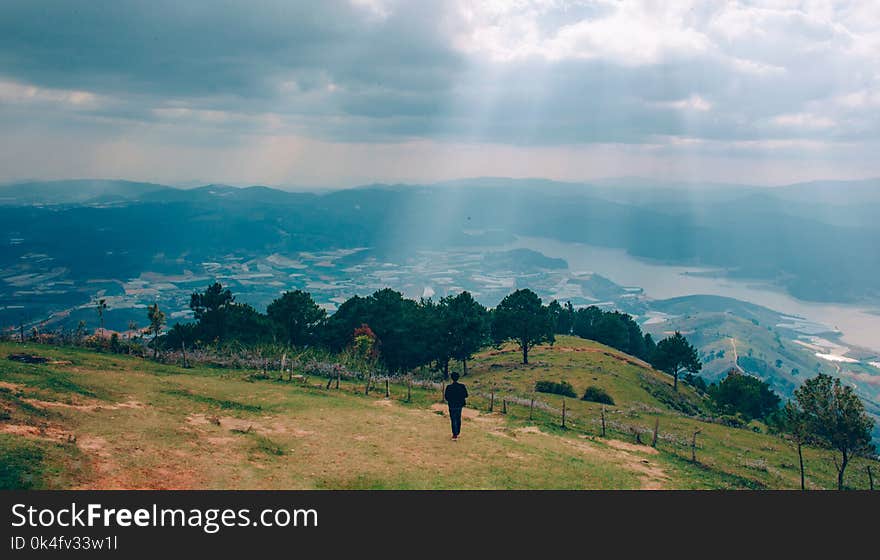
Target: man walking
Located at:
point(456, 396)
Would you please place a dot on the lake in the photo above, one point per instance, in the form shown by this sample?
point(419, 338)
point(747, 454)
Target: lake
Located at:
point(859, 326)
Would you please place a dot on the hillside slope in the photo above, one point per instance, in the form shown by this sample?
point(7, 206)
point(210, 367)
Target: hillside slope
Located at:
point(105, 421)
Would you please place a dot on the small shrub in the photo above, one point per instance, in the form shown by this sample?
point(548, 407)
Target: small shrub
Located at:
point(664, 393)
point(731, 420)
point(563, 388)
point(262, 444)
point(597, 395)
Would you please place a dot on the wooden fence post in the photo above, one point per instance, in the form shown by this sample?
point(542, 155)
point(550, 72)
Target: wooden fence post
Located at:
point(338, 375)
point(387, 389)
point(603, 420)
point(694, 446)
point(656, 431)
point(492, 399)
point(563, 412)
point(503, 406)
point(408, 388)
point(531, 408)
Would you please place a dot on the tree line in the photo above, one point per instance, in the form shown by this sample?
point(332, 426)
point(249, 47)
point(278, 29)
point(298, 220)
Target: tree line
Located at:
point(413, 333)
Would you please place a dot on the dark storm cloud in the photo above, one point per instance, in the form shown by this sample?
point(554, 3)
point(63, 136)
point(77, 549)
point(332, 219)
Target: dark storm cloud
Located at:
point(173, 48)
point(538, 74)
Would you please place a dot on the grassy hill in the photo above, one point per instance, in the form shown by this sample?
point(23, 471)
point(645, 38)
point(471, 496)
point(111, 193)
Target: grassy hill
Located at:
point(731, 333)
point(87, 420)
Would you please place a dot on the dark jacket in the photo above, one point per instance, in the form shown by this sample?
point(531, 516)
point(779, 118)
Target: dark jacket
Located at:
point(456, 395)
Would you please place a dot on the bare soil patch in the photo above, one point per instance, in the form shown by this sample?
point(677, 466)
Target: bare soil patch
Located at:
point(85, 406)
point(265, 426)
point(41, 432)
point(530, 430)
point(651, 476)
point(11, 386)
point(625, 446)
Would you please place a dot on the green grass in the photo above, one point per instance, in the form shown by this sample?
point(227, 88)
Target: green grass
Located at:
point(36, 465)
point(224, 404)
point(265, 445)
point(162, 426)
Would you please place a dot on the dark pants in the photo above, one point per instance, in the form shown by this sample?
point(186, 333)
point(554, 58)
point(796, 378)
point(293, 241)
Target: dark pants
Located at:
point(455, 416)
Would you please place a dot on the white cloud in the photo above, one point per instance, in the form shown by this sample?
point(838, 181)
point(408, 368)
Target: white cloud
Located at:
point(755, 67)
point(180, 114)
point(692, 103)
point(628, 33)
point(803, 120)
point(15, 92)
point(861, 99)
point(380, 9)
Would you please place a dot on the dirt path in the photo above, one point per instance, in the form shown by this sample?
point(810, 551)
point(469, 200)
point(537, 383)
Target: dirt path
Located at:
point(735, 355)
point(629, 456)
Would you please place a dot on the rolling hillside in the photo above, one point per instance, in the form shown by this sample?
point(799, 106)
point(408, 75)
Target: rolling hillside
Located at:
point(87, 420)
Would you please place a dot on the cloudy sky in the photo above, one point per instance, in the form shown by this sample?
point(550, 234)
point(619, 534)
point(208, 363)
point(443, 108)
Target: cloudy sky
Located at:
point(342, 92)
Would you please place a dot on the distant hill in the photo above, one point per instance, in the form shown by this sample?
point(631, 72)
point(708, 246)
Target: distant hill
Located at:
point(76, 191)
point(838, 193)
point(815, 251)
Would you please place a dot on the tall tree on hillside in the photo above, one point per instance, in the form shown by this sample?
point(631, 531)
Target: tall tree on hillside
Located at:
point(298, 316)
point(336, 332)
point(675, 355)
point(465, 324)
point(650, 347)
point(585, 323)
point(402, 325)
point(794, 425)
point(521, 317)
point(744, 394)
point(157, 319)
point(562, 316)
point(209, 309)
point(436, 325)
point(244, 324)
point(836, 417)
point(132, 333)
point(412, 337)
point(101, 306)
